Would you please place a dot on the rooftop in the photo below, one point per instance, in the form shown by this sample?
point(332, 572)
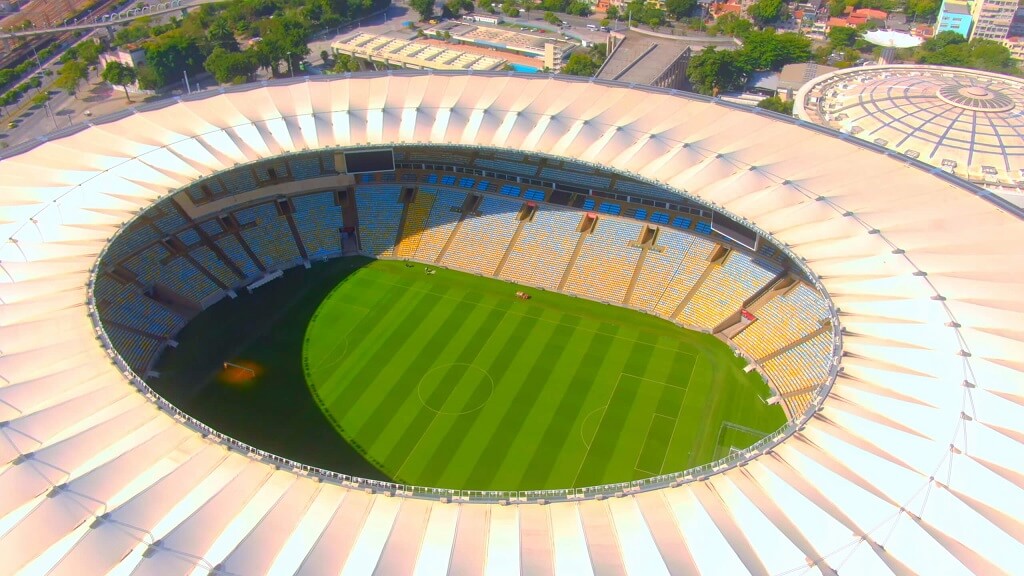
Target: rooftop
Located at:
point(911, 467)
point(641, 59)
point(415, 54)
point(967, 122)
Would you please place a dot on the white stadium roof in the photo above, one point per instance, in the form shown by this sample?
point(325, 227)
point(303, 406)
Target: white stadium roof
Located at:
point(914, 465)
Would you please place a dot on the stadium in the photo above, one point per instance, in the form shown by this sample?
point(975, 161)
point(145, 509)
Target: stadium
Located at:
point(877, 298)
point(965, 122)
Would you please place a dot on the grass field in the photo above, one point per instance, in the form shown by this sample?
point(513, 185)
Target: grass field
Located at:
point(450, 380)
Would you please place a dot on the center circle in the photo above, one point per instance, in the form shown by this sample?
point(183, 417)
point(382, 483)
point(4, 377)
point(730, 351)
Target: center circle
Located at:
point(976, 91)
point(455, 389)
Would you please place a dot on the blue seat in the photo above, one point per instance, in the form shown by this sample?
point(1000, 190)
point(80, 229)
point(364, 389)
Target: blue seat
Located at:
point(510, 190)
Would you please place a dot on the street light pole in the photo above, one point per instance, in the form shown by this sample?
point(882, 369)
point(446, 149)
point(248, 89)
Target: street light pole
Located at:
point(50, 113)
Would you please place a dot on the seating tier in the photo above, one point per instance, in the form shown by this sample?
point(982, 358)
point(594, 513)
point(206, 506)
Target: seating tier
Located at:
point(483, 239)
point(606, 262)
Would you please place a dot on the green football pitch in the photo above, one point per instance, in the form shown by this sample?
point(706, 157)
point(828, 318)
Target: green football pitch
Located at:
point(379, 369)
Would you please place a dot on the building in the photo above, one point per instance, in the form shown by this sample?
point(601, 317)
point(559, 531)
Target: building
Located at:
point(413, 54)
point(793, 77)
point(549, 51)
point(910, 464)
point(992, 19)
point(966, 122)
point(129, 55)
point(639, 59)
point(955, 16)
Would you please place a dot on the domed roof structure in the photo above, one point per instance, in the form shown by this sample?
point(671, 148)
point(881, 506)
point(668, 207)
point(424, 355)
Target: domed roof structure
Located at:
point(914, 463)
point(967, 122)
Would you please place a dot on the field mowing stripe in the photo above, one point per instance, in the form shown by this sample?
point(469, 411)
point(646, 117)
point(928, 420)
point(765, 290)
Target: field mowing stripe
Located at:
point(429, 343)
point(677, 366)
point(659, 427)
point(513, 330)
point(495, 410)
point(555, 450)
point(374, 327)
point(623, 338)
point(592, 467)
point(455, 429)
point(374, 350)
point(516, 413)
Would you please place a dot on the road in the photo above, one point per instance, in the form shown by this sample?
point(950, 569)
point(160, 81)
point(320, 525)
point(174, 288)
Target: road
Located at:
point(105, 20)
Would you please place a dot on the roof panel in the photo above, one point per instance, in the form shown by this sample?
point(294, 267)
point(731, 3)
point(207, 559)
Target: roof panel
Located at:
point(879, 221)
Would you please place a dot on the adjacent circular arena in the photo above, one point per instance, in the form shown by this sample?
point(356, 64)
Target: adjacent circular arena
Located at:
point(911, 464)
point(966, 122)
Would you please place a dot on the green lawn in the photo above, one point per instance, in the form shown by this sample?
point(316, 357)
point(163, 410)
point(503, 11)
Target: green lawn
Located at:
point(450, 380)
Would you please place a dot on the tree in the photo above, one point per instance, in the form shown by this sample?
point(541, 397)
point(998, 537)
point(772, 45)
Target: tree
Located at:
point(453, 7)
point(680, 9)
point(168, 55)
point(766, 50)
point(765, 11)
point(119, 75)
point(219, 35)
point(842, 37)
point(227, 66)
point(40, 99)
point(510, 9)
point(550, 18)
point(991, 56)
point(732, 25)
point(711, 71)
point(950, 49)
point(71, 74)
point(345, 63)
point(941, 40)
point(283, 38)
point(578, 8)
point(925, 10)
point(580, 64)
point(613, 13)
point(776, 104)
point(425, 8)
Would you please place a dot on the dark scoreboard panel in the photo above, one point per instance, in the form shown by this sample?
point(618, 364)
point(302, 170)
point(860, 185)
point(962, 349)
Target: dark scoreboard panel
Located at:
point(363, 161)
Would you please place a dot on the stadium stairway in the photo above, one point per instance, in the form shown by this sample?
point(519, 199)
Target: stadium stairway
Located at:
point(825, 327)
point(468, 207)
point(510, 248)
point(410, 228)
point(734, 324)
point(207, 240)
point(628, 296)
point(717, 257)
point(587, 230)
point(237, 233)
point(296, 236)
